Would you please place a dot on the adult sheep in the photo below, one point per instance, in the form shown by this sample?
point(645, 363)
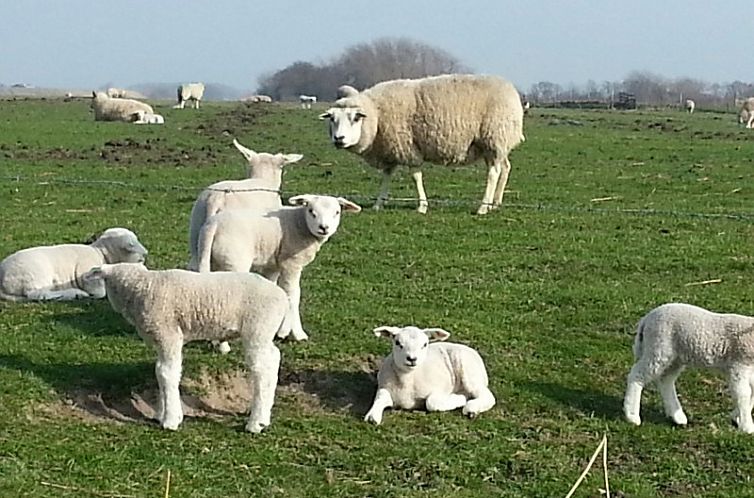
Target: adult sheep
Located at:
point(746, 115)
point(690, 105)
point(110, 109)
point(189, 91)
point(307, 101)
point(447, 119)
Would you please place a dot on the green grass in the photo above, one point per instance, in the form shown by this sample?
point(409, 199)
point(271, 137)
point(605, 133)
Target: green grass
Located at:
point(548, 289)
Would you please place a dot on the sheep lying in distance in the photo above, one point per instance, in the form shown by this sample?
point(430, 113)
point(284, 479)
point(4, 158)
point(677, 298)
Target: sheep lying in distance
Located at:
point(189, 91)
point(675, 335)
point(261, 191)
point(258, 99)
point(55, 272)
point(746, 116)
point(690, 105)
point(109, 109)
point(443, 119)
point(172, 307)
point(116, 93)
point(277, 244)
point(438, 376)
point(141, 117)
point(307, 101)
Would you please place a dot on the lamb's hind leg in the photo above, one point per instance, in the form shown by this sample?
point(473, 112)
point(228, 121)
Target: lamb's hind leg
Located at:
point(666, 386)
point(741, 391)
point(501, 183)
point(445, 402)
point(480, 402)
point(493, 176)
point(168, 372)
point(642, 373)
point(263, 362)
point(417, 176)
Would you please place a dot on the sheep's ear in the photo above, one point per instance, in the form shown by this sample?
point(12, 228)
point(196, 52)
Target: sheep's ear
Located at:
point(247, 153)
point(360, 114)
point(325, 115)
point(349, 206)
point(94, 94)
point(292, 158)
point(95, 273)
point(386, 331)
point(300, 200)
point(437, 334)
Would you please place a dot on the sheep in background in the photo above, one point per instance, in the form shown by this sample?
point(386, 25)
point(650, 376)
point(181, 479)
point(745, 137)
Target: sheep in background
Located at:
point(675, 335)
point(260, 191)
point(436, 376)
point(108, 109)
point(141, 117)
point(55, 272)
point(278, 244)
point(189, 91)
point(116, 93)
point(746, 115)
point(444, 119)
point(690, 105)
point(172, 307)
point(307, 101)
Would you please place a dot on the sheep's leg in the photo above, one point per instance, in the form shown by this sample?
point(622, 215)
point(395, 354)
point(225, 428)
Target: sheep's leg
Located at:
point(416, 173)
point(263, 362)
point(751, 120)
point(384, 189)
point(501, 183)
point(382, 400)
point(741, 391)
point(57, 295)
point(666, 386)
point(445, 402)
point(493, 176)
point(290, 282)
point(168, 372)
point(481, 402)
point(642, 373)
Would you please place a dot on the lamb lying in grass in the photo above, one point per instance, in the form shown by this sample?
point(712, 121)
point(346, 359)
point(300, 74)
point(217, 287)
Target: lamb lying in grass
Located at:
point(172, 307)
point(438, 376)
point(675, 335)
point(55, 272)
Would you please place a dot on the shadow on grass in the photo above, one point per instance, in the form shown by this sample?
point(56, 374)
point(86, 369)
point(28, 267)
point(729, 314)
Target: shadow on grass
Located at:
point(351, 391)
point(94, 318)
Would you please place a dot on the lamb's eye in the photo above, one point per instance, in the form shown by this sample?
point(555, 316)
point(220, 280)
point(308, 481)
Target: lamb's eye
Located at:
point(425, 345)
point(337, 213)
point(399, 344)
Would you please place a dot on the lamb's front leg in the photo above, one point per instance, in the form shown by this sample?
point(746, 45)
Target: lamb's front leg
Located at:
point(741, 391)
point(417, 175)
point(384, 189)
point(168, 372)
point(290, 281)
point(382, 400)
point(263, 362)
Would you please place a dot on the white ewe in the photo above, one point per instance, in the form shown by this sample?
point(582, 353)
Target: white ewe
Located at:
point(108, 109)
point(189, 91)
point(307, 101)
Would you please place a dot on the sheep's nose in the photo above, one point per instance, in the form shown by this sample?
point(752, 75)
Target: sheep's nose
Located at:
point(339, 140)
point(324, 228)
point(411, 359)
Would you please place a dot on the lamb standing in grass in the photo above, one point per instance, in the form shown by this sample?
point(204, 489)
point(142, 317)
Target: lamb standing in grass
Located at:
point(746, 116)
point(307, 101)
point(440, 377)
point(278, 244)
point(189, 91)
point(109, 109)
point(55, 272)
point(690, 106)
point(172, 307)
point(675, 335)
point(443, 119)
point(261, 190)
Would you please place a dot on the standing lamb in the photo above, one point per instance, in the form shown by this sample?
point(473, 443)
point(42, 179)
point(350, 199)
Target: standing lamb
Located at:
point(746, 116)
point(189, 91)
point(278, 244)
point(261, 191)
point(108, 109)
point(440, 377)
point(442, 119)
point(675, 335)
point(307, 101)
point(173, 307)
point(55, 272)
point(690, 105)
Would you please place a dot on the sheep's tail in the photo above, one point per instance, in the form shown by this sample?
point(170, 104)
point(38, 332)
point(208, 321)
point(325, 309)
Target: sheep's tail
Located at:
point(204, 250)
point(639, 341)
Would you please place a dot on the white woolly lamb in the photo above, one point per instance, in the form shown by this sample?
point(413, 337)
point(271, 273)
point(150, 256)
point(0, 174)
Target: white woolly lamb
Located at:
point(690, 105)
point(261, 191)
point(278, 244)
point(746, 115)
point(189, 91)
point(141, 117)
point(108, 109)
point(307, 101)
point(442, 119)
point(675, 335)
point(55, 272)
point(172, 307)
point(438, 376)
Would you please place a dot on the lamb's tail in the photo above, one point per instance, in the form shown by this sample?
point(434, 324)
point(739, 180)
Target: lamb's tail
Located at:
point(204, 250)
point(639, 341)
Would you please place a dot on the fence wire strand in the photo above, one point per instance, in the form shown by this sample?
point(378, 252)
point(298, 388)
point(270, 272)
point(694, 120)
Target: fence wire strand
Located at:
point(359, 197)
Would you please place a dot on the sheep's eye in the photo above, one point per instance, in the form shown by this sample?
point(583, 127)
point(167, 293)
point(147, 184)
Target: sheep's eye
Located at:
point(337, 213)
point(425, 345)
point(399, 344)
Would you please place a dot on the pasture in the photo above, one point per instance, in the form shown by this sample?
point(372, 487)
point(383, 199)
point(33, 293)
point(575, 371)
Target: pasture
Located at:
point(608, 214)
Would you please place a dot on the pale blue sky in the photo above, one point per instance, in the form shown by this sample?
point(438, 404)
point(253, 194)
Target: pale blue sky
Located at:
point(85, 44)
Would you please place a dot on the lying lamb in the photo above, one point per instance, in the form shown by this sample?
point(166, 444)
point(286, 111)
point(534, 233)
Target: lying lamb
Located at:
point(440, 377)
point(261, 190)
point(108, 109)
point(141, 117)
point(445, 119)
point(172, 307)
point(278, 244)
point(55, 272)
point(675, 335)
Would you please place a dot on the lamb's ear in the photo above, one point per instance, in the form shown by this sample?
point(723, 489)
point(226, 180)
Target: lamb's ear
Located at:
point(325, 115)
point(349, 206)
point(94, 94)
point(95, 273)
point(300, 200)
point(386, 331)
point(361, 114)
point(436, 334)
point(247, 153)
point(292, 158)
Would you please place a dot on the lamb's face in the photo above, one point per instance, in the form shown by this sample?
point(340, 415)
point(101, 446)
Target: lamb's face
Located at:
point(125, 245)
point(410, 344)
point(345, 125)
point(322, 213)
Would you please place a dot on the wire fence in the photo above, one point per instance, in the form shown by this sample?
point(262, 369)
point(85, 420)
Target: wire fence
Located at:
point(361, 198)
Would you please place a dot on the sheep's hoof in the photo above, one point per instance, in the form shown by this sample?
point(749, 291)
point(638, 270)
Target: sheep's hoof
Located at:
point(373, 418)
point(171, 425)
point(679, 418)
point(633, 419)
point(483, 209)
point(377, 207)
point(300, 336)
point(422, 209)
point(255, 427)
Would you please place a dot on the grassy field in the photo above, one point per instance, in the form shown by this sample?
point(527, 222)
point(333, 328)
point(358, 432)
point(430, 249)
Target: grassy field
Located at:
point(608, 215)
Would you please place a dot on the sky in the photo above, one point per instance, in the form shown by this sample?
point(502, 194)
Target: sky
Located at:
point(88, 44)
